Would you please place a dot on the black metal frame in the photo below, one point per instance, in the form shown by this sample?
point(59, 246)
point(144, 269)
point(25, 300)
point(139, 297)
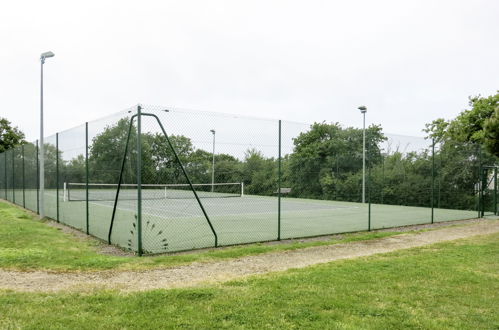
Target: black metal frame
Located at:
point(138, 116)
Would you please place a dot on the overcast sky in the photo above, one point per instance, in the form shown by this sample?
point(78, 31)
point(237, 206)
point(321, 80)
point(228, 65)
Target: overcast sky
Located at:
point(409, 62)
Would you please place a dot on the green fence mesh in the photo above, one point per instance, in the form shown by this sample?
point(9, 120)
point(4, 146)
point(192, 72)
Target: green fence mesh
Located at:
point(157, 179)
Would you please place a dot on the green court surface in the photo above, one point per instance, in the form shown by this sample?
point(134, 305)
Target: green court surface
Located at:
point(179, 224)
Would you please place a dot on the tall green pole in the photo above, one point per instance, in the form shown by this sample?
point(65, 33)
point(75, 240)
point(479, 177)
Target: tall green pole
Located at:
point(495, 190)
point(480, 193)
point(279, 189)
point(13, 177)
point(139, 180)
point(86, 180)
point(37, 181)
point(57, 174)
point(24, 184)
point(432, 180)
point(369, 198)
point(5, 173)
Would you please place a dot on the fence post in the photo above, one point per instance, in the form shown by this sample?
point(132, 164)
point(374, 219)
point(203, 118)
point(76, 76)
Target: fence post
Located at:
point(86, 180)
point(279, 189)
point(13, 176)
point(432, 180)
point(37, 181)
point(5, 173)
point(369, 197)
point(24, 184)
point(57, 175)
point(139, 180)
point(495, 190)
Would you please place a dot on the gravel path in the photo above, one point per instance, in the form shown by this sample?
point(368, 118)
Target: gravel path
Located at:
point(208, 272)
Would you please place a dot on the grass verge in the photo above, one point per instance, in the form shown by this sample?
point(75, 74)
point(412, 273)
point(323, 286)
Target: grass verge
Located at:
point(442, 286)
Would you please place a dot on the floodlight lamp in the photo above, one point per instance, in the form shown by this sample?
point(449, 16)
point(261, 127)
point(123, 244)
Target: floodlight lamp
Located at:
point(47, 55)
point(212, 130)
point(362, 109)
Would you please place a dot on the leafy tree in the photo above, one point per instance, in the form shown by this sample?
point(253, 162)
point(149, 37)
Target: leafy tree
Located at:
point(328, 156)
point(469, 126)
point(491, 133)
point(9, 136)
point(259, 173)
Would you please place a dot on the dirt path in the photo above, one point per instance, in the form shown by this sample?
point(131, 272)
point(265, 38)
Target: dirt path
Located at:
point(198, 273)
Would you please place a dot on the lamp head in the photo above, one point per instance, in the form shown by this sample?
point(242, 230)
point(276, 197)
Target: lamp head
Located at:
point(46, 55)
point(212, 130)
point(362, 109)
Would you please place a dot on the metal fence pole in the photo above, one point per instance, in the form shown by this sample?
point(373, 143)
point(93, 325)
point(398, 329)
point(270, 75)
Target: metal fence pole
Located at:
point(87, 216)
point(24, 183)
point(13, 176)
point(495, 190)
point(480, 187)
point(432, 180)
point(57, 175)
point(279, 188)
point(369, 198)
point(139, 180)
point(5, 173)
point(37, 181)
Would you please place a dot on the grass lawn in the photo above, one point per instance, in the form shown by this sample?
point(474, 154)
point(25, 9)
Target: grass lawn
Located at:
point(442, 286)
point(29, 244)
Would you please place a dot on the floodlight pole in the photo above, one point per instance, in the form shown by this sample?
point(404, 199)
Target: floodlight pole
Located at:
point(363, 110)
point(41, 150)
point(213, 162)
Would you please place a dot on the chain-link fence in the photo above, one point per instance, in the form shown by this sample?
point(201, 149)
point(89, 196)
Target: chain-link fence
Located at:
point(156, 179)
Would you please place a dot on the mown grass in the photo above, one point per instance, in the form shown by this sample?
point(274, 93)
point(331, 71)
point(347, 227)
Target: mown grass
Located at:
point(29, 244)
point(453, 285)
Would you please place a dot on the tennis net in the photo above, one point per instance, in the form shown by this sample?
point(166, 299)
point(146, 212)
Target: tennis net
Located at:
point(77, 191)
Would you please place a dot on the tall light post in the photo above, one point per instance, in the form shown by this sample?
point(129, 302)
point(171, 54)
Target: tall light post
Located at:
point(363, 110)
point(43, 56)
point(213, 162)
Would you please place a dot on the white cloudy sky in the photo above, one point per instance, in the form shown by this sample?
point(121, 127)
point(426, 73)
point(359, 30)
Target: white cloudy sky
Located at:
point(408, 61)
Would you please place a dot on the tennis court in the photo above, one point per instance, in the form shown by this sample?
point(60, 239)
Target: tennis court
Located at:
point(179, 224)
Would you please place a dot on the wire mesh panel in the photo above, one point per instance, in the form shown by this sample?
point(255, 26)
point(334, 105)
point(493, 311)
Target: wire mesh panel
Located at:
point(457, 180)
point(9, 166)
point(72, 168)
point(18, 179)
point(3, 176)
point(50, 160)
point(107, 140)
point(399, 181)
point(230, 161)
point(30, 177)
point(321, 183)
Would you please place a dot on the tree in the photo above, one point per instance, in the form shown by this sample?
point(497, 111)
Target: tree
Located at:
point(491, 133)
point(327, 160)
point(9, 136)
point(259, 173)
point(469, 125)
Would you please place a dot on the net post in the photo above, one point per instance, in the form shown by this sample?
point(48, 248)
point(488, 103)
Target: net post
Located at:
point(64, 191)
point(242, 188)
point(139, 180)
point(24, 183)
point(279, 188)
point(87, 215)
point(432, 180)
point(57, 175)
point(37, 181)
